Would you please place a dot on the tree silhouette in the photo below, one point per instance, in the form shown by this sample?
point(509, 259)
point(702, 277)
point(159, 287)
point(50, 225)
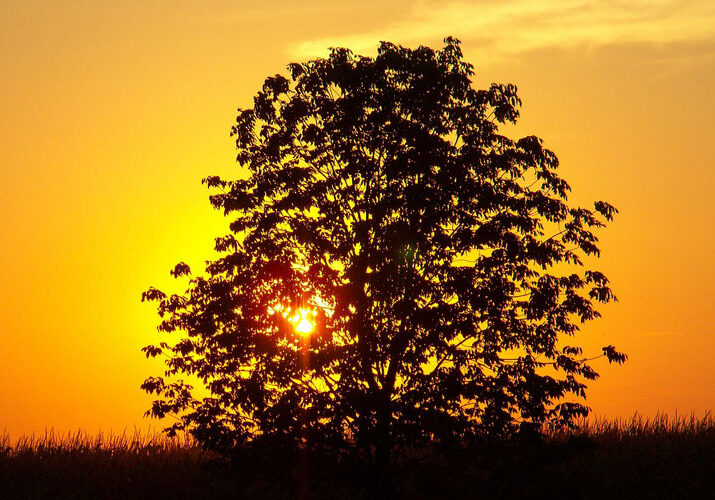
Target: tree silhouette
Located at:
point(396, 270)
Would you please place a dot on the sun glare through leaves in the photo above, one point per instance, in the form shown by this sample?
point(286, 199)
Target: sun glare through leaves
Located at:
point(302, 324)
point(302, 319)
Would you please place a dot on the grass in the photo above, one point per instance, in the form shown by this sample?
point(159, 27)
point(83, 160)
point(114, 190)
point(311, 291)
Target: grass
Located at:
point(638, 458)
point(104, 466)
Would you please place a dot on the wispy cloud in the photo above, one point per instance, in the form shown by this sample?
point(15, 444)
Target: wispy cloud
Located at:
point(497, 29)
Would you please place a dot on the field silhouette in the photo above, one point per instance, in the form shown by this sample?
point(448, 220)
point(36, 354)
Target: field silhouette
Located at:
point(638, 458)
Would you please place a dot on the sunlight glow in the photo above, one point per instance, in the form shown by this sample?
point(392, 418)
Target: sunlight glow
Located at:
point(303, 320)
point(304, 326)
point(300, 321)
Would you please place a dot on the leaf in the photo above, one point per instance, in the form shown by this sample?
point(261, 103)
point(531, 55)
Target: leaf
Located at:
point(614, 356)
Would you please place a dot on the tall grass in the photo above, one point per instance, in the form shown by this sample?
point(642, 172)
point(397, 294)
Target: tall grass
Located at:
point(81, 442)
point(661, 457)
point(126, 465)
point(683, 426)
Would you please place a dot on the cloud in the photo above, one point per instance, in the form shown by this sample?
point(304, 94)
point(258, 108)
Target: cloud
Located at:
point(498, 29)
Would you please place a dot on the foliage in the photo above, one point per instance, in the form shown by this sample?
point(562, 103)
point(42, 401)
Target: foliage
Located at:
point(440, 260)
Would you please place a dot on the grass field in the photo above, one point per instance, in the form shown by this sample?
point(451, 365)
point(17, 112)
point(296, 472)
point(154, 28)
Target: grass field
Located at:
point(639, 458)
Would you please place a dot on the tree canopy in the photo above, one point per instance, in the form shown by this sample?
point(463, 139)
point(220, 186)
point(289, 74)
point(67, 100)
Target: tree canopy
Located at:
point(396, 270)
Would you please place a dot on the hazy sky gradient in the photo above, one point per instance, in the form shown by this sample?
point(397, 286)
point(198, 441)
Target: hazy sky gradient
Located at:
point(112, 112)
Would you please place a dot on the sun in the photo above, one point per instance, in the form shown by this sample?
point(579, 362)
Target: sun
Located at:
point(303, 320)
point(304, 326)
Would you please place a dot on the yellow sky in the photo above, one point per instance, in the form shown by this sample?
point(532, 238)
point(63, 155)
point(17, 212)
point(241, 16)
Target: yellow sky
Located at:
point(112, 112)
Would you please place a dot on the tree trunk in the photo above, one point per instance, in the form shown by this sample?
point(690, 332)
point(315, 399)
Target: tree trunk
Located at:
point(382, 472)
point(384, 484)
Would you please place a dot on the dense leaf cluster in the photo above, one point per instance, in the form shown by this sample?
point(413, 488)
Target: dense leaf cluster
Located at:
point(442, 260)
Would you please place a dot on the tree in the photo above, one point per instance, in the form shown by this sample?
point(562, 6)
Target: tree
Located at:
point(396, 270)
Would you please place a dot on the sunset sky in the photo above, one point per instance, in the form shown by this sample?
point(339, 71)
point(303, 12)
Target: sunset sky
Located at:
point(112, 112)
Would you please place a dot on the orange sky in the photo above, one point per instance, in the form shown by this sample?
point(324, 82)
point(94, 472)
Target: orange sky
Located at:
point(112, 112)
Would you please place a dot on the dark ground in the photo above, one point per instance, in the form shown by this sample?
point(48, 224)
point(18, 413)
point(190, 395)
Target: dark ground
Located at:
point(636, 460)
